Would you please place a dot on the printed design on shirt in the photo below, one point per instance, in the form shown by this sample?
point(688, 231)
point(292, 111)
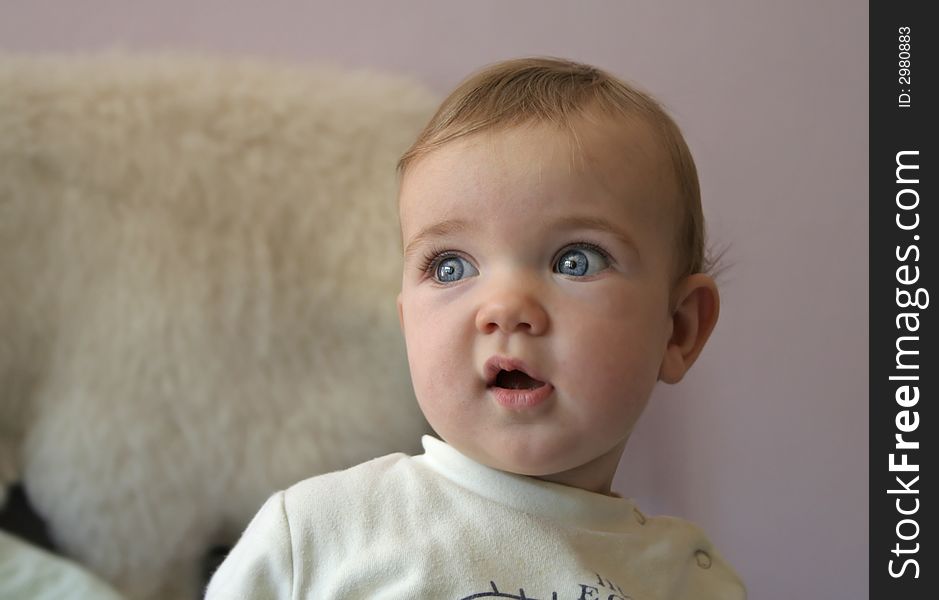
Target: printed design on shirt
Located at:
point(602, 589)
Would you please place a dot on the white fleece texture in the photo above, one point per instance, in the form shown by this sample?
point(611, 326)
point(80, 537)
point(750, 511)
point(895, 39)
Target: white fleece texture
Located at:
point(198, 266)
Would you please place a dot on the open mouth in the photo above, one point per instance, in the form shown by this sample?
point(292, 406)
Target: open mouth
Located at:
point(516, 380)
point(514, 385)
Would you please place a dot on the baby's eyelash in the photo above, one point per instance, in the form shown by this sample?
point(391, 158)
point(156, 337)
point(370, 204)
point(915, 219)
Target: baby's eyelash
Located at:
point(432, 257)
point(590, 246)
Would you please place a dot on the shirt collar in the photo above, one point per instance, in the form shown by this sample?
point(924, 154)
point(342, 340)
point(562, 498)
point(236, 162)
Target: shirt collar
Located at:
point(528, 494)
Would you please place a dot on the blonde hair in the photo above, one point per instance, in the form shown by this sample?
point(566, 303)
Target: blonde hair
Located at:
point(558, 91)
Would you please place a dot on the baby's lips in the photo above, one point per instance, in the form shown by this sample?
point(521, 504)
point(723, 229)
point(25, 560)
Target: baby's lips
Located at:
point(503, 363)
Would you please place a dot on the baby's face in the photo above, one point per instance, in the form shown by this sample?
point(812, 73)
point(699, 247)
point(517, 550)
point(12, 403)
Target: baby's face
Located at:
point(535, 292)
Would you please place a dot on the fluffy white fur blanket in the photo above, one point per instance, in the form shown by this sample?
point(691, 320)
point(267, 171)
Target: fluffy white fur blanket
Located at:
point(198, 265)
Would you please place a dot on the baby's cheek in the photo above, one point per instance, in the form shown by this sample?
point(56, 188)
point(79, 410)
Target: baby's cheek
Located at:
point(612, 361)
point(433, 353)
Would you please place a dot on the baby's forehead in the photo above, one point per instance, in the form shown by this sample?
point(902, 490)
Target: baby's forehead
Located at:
point(545, 172)
point(625, 156)
point(586, 143)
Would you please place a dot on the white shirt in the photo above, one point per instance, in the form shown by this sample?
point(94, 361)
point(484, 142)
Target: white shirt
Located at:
point(440, 525)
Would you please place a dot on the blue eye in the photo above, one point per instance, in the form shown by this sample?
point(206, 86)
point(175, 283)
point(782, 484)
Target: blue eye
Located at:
point(453, 268)
point(581, 260)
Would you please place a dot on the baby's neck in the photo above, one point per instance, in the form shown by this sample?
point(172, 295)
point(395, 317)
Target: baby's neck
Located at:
point(595, 476)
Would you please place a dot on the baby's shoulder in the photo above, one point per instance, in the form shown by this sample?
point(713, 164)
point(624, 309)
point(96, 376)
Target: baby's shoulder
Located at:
point(341, 489)
point(677, 531)
point(693, 553)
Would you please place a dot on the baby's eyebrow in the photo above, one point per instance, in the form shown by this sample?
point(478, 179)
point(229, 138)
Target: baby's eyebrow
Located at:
point(440, 229)
point(598, 224)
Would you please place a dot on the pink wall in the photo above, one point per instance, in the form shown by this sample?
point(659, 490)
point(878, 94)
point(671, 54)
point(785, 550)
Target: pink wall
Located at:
point(765, 442)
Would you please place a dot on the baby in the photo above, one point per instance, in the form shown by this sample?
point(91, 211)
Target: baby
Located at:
point(554, 271)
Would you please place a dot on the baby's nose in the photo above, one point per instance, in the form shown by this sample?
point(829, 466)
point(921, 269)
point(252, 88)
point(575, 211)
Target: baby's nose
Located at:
point(512, 308)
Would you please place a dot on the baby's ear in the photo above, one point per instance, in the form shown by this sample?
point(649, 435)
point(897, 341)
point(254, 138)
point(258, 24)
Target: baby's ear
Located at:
point(696, 310)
